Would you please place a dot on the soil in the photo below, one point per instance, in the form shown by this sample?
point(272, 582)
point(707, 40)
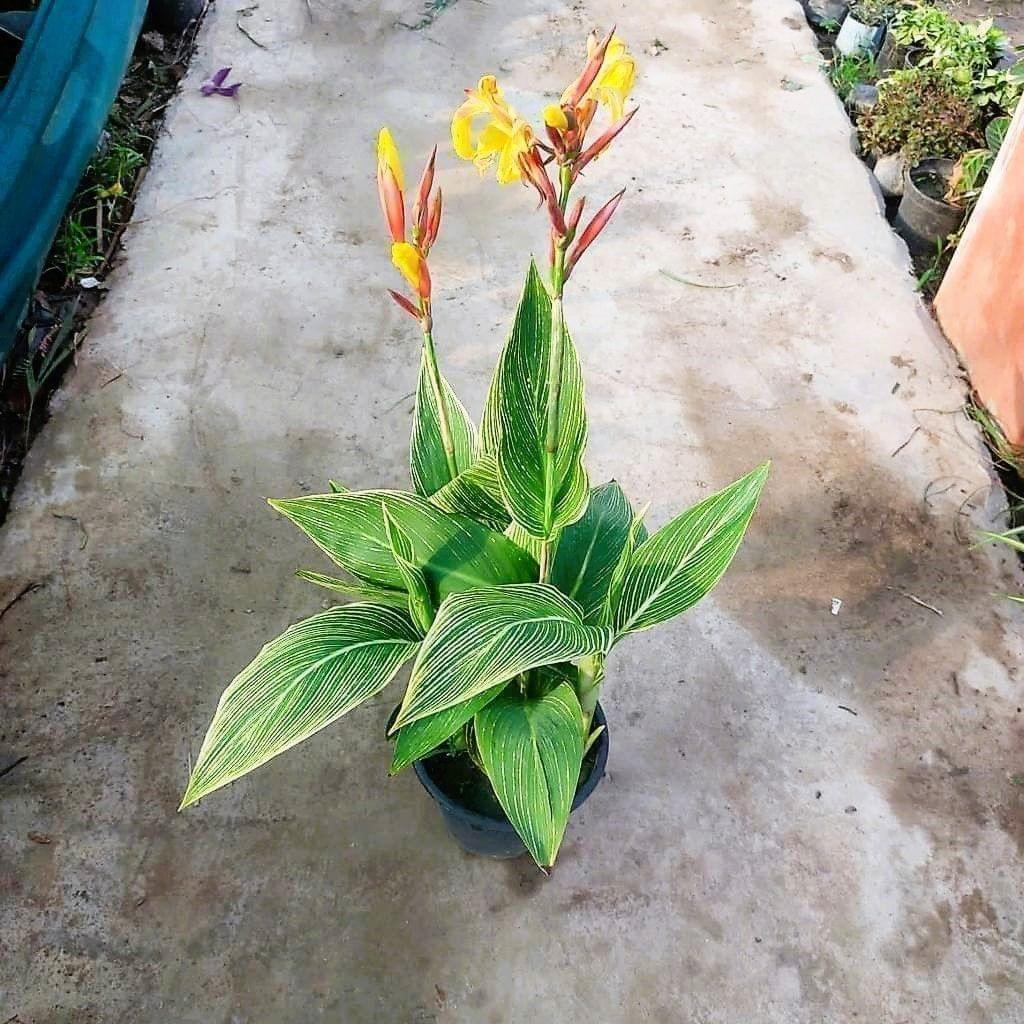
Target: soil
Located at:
point(60, 307)
point(1007, 14)
point(459, 778)
point(932, 185)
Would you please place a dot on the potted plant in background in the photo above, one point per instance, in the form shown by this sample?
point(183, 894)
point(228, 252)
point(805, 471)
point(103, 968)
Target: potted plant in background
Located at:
point(864, 27)
point(920, 113)
point(503, 576)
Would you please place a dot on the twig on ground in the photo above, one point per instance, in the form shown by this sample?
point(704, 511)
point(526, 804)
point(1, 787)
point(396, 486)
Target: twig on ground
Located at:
point(843, 707)
point(697, 284)
point(10, 768)
point(29, 588)
point(78, 523)
point(913, 434)
point(248, 35)
point(916, 600)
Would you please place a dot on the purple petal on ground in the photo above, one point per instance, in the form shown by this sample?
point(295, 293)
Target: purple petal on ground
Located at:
point(229, 90)
point(215, 83)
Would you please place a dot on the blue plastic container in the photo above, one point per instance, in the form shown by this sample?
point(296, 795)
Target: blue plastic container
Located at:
point(52, 112)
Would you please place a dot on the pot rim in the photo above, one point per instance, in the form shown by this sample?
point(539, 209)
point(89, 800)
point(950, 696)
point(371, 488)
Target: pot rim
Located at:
point(503, 824)
point(939, 165)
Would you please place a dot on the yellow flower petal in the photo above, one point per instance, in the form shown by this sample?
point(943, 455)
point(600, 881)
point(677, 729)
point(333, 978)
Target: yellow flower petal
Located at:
point(387, 156)
point(615, 80)
point(407, 260)
point(554, 117)
point(502, 136)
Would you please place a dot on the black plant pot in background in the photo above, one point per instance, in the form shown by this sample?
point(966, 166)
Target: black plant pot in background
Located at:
point(890, 55)
point(492, 836)
point(924, 218)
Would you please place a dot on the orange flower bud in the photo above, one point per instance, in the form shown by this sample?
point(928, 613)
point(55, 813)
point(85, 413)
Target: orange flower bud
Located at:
point(433, 219)
point(390, 184)
point(420, 207)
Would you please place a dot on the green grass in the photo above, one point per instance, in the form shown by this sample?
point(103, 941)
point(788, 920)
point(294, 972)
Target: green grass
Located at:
point(101, 202)
point(847, 72)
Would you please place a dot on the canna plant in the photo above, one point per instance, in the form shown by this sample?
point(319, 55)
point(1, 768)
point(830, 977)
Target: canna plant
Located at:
point(503, 576)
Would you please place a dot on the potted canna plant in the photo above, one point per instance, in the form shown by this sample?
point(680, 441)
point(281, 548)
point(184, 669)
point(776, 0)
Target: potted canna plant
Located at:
point(502, 575)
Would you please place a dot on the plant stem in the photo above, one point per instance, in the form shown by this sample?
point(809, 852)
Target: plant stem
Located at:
point(555, 354)
point(434, 376)
point(590, 677)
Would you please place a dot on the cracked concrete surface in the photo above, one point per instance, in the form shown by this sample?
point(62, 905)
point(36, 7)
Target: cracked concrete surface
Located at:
point(808, 817)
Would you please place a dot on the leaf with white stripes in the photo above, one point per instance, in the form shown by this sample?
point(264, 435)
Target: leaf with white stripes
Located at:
point(484, 637)
point(421, 607)
point(427, 458)
point(475, 492)
point(454, 551)
point(590, 548)
point(308, 677)
point(675, 567)
point(636, 536)
point(532, 751)
point(544, 490)
point(419, 738)
point(361, 591)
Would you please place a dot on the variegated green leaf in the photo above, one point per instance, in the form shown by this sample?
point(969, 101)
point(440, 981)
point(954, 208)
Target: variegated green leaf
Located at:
point(526, 541)
point(544, 490)
point(455, 552)
point(417, 739)
point(484, 637)
point(636, 536)
point(361, 591)
point(304, 680)
point(427, 457)
point(673, 569)
point(589, 550)
point(421, 609)
point(532, 751)
point(475, 492)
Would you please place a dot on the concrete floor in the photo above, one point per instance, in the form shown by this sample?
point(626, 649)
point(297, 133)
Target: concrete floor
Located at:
point(808, 817)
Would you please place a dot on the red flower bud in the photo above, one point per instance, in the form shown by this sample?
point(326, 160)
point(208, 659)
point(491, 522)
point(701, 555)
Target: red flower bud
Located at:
point(592, 230)
point(602, 142)
point(591, 70)
point(404, 303)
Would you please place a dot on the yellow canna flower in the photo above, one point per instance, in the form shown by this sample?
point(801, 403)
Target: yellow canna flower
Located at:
point(504, 137)
point(554, 117)
point(388, 158)
point(615, 80)
point(412, 266)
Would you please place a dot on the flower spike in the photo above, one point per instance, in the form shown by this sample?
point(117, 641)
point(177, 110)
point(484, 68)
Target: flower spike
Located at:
point(593, 229)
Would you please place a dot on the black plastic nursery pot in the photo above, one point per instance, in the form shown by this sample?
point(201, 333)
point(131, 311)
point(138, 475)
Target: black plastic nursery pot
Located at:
point(924, 218)
point(490, 835)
